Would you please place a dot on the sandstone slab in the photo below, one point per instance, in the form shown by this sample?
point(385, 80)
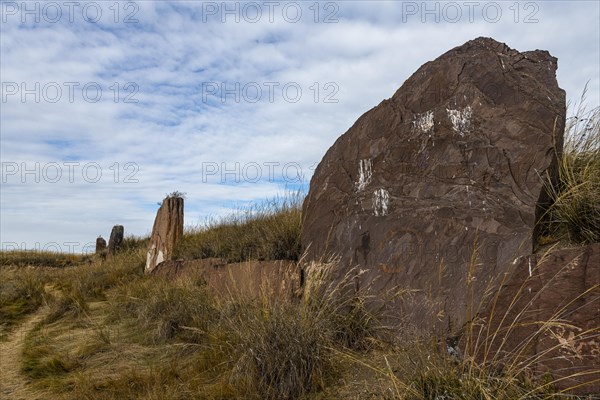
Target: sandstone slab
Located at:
point(437, 189)
point(166, 232)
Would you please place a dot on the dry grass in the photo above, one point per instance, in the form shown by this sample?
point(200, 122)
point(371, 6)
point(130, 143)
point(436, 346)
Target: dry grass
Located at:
point(176, 340)
point(574, 214)
point(191, 343)
point(22, 288)
point(284, 348)
point(25, 258)
point(21, 293)
point(163, 310)
point(484, 364)
point(114, 333)
point(266, 231)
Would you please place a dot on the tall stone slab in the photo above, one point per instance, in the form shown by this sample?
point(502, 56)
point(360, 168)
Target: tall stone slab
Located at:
point(166, 232)
point(116, 239)
point(437, 188)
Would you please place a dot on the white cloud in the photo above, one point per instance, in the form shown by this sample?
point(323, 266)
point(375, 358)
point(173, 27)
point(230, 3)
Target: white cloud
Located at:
point(175, 129)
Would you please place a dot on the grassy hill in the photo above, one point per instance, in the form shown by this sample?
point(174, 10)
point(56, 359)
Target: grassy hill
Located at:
point(94, 328)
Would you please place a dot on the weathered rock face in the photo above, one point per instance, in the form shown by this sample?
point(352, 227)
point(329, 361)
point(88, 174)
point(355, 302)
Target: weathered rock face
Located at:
point(451, 163)
point(116, 239)
point(562, 286)
point(100, 245)
point(166, 233)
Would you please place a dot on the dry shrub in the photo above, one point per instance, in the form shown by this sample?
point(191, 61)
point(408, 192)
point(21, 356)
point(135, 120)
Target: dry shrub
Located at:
point(574, 212)
point(164, 310)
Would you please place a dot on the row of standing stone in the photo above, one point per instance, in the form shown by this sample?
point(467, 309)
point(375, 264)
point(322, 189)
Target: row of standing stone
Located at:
point(114, 242)
point(166, 234)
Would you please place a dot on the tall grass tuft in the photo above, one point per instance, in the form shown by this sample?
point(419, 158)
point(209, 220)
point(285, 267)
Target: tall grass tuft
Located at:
point(266, 231)
point(75, 287)
point(280, 353)
point(132, 242)
point(285, 348)
point(501, 355)
point(163, 310)
point(574, 215)
point(92, 281)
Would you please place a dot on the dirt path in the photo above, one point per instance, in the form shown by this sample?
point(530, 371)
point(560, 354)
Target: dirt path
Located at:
point(13, 385)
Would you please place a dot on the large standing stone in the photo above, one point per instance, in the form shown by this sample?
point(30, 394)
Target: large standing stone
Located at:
point(451, 163)
point(100, 245)
point(116, 239)
point(166, 233)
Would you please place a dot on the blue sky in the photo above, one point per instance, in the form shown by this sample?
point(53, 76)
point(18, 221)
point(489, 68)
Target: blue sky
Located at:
point(105, 109)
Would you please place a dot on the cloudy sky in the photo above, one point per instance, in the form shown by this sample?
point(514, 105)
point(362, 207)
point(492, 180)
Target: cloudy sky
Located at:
point(106, 107)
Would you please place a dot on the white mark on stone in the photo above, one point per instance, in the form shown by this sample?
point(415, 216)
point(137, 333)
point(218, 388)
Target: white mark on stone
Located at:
point(502, 61)
point(381, 201)
point(461, 119)
point(149, 256)
point(364, 174)
point(424, 122)
point(160, 258)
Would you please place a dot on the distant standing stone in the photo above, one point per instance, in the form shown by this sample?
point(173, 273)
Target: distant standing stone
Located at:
point(116, 239)
point(166, 233)
point(100, 245)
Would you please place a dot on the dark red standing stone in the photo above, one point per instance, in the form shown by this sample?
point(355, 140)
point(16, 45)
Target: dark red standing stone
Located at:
point(450, 163)
point(100, 245)
point(116, 239)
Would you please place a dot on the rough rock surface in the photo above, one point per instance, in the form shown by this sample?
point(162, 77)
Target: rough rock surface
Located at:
point(100, 245)
point(562, 286)
point(116, 239)
point(166, 232)
point(447, 168)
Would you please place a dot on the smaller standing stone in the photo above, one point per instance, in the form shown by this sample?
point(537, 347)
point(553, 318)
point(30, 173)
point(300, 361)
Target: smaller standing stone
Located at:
point(100, 245)
point(116, 239)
